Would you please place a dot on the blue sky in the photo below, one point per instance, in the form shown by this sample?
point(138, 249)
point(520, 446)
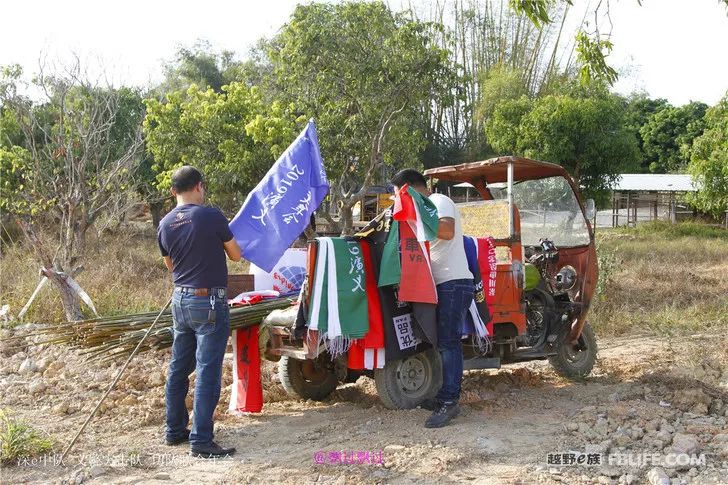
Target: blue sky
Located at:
point(675, 49)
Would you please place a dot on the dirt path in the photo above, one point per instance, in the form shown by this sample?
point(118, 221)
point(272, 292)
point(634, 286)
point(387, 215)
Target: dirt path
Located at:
point(512, 419)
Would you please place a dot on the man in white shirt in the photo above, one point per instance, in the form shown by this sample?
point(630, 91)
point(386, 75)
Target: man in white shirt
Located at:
point(454, 294)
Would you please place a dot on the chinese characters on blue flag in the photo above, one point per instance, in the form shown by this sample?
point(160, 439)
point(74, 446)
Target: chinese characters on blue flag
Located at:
point(277, 211)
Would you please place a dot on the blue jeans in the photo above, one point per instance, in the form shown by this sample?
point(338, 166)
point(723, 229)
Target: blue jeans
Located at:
point(199, 345)
point(453, 300)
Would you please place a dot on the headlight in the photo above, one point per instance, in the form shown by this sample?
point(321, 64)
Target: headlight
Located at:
point(566, 278)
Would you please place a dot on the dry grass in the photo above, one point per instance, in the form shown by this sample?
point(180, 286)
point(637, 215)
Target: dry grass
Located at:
point(124, 273)
point(669, 279)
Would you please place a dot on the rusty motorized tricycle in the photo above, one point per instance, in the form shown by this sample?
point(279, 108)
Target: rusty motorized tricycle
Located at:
point(546, 277)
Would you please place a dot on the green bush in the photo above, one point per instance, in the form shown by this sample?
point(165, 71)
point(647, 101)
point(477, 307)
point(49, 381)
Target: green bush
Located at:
point(609, 263)
point(18, 439)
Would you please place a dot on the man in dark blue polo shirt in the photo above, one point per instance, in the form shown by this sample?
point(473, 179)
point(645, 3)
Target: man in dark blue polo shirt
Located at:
point(194, 240)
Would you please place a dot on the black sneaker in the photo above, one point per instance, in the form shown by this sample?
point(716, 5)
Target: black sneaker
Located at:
point(213, 450)
point(429, 404)
point(180, 439)
point(442, 415)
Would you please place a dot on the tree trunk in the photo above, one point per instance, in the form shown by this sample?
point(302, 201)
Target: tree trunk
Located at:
point(156, 209)
point(69, 298)
point(346, 219)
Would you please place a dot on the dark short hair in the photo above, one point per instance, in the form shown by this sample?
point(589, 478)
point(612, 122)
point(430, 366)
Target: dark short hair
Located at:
point(409, 176)
point(185, 178)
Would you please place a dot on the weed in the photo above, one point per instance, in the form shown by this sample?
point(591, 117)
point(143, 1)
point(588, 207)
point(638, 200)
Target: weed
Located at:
point(18, 439)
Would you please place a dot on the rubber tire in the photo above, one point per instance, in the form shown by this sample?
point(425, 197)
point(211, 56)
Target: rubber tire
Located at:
point(391, 392)
point(290, 372)
point(570, 370)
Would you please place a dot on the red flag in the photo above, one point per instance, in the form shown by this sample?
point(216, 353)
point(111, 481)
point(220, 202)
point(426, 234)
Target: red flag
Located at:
point(247, 394)
point(404, 206)
point(417, 284)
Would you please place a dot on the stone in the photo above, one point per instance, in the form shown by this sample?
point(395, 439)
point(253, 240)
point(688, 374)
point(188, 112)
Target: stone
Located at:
point(601, 448)
point(78, 477)
point(720, 438)
point(621, 438)
point(96, 471)
point(43, 364)
point(629, 479)
point(491, 445)
point(61, 408)
point(652, 425)
point(156, 380)
point(657, 476)
point(129, 400)
point(637, 433)
point(610, 471)
point(572, 426)
point(601, 427)
point(685, 443)
point(699, 408)
point(722, 450)
point(27, 367)
point(716, 407)
point(686, 399)
point(36, 387)
point(394, 448)
point(162, 476)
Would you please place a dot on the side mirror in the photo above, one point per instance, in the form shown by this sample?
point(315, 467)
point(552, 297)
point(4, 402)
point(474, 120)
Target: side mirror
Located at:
point(590, 209)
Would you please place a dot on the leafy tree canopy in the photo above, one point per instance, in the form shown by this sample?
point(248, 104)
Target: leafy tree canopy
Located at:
point(639, 110)
point(585, 135)
point(709, 161)
point(232, 136)
point(668, 136)
point(364, 73)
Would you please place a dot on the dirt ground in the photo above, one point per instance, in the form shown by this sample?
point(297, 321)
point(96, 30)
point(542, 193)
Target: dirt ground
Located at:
point(647, 398)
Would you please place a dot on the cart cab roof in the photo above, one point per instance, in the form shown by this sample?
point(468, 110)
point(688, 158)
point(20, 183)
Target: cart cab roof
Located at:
point(495, 170)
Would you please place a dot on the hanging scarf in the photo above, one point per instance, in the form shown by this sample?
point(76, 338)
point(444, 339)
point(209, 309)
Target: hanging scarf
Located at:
point(488, 264)
point(339, 291)
point(478, 313)
point(390, 269)
point(420, 211)
point(368, 353)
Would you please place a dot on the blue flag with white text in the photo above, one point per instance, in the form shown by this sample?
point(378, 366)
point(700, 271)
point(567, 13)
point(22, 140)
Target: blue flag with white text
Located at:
point(277, 211)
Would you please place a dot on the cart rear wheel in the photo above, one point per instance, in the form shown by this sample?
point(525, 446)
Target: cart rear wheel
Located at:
point(405, 383)
point(575, 361)
point(308, 379)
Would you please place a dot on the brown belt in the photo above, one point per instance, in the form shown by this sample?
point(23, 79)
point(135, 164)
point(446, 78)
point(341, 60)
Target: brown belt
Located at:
point(200, 291)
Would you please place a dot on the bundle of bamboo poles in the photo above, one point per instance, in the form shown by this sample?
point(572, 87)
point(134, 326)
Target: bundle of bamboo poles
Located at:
point(107, 338)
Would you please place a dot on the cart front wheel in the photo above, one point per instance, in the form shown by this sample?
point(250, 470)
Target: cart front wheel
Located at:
point(576, 361)
point(308, 379)
point(405, 383)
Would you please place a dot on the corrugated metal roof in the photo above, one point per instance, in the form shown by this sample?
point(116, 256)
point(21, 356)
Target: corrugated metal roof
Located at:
point(646, 182)
point(652, 182)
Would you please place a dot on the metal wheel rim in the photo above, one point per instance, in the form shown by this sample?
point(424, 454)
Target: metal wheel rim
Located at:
point(314, 371)
point(412, 375)
point(574, 355)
